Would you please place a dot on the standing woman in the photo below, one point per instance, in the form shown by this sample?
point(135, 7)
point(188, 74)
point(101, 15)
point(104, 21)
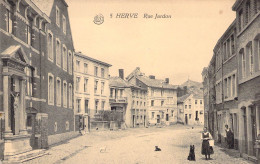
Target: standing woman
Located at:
point(206, 149)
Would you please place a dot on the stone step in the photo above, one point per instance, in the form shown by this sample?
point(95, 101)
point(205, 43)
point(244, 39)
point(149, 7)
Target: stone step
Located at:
point(19, 158)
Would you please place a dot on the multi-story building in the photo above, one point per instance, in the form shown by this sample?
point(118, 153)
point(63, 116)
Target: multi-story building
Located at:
point(191, 109)
point(161, 97)
point(36, 74)
point(129, 99)
point(91, 79)
point(234, 70)
point(248, 55)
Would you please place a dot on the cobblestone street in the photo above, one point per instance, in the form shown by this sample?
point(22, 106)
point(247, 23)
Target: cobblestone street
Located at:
point(135, 146)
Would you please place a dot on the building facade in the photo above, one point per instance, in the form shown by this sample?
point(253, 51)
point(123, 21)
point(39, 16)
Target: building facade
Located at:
point(130, 100)
point(234, 70)
point(36, 74)
point(161, 97)
point(191, 110)
point(91, 79)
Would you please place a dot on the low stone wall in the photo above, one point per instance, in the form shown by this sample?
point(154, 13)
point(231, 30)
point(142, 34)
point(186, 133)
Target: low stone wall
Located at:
point(100, 125)
point(54, 139)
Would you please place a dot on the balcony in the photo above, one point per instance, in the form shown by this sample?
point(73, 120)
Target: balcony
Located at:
point(119, 100)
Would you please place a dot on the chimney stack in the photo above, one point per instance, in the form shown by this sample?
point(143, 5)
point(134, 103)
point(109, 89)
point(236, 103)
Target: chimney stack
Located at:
point(152, 77)
point(121, 73)
point(167, 80)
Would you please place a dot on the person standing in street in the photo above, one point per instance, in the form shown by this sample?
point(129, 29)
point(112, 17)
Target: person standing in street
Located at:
point(206, 149)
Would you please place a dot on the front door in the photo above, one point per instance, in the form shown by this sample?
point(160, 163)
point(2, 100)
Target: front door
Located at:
point(254, 135)
point(158, 119)
point(144, 121)
point(167, 117)
point(133, 121)
point(186, 119)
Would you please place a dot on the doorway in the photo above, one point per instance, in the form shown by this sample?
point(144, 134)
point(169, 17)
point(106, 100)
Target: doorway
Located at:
point(186, 119)
point(144, 121)
point(133, 121)
point(167, 117)
point(158, 119)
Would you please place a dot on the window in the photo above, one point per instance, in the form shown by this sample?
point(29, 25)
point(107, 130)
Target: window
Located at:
point(96, 106)
point(133, 103)
point(162, 102)
point(86, 106)
point(241, 20)
point(189, 106)
point(55, 127)
point(70, 96)
point(121, 93)
point(77, 65)
point(232, 44)
point(162, 92)
point(185, 106)
point(189, 116)
point(255, 6)
point(111, 92)
point(65, 93)
point(103, 105)
point(248, 10)
point(9, 23)
point(77, 83)
point(50, 46)
point(50, 89)
point(258, 50)
point(70, 62)
point(96, 71)
point(64, 24)
point(78, 105)
point(200, 101)
point(172, 112)
point(196, 101)
point(65, 58)
point(58, 52)
point(251, 59)
point(85, 68)
point(152, 102)
point(85, 85)
point(67, 125)
point(29, 81)
point(243, 58)
point(233, 85)
point(144, 103)
point(58, 92)
point(137, 103)
point(225, 51)
point(57, 16)
point(102, 88)
point(96, 87)
point(152, 114)
point(29, 33)
point(102, 72)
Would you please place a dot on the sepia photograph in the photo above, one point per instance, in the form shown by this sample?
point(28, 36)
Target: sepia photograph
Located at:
point(129, 81)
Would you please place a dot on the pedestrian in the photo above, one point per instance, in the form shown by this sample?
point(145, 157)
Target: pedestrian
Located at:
point(230, 138)
point(206, 149)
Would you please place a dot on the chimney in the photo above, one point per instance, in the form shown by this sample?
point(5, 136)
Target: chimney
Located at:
point(121, 73)
point(152, 77)
point(167, 80)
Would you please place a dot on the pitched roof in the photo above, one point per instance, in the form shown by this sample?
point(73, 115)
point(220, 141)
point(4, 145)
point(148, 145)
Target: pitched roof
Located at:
point(92, 59)
point(119, 82)
point(157, 83)
point(183, 98)
point(44, 5)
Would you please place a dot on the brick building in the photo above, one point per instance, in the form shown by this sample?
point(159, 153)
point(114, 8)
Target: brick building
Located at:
point(234, 71)
point(36, 74)
point(91, 79)
point(161, 97)
point(129, 99)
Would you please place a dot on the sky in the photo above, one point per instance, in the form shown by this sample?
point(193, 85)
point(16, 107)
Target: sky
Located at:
point(177, 48)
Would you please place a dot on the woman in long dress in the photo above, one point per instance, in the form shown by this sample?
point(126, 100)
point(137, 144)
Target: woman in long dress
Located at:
point(206, 149)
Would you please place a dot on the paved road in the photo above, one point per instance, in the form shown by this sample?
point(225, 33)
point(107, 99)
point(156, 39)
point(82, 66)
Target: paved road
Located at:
point(135, 146)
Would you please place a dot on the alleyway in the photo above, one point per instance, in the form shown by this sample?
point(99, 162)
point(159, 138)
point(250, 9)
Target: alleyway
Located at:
point(135, 146)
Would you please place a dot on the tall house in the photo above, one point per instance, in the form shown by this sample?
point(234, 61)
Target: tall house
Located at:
point(91, 79)
point(36, 79)
point(129, 99)
point(248, 54)
point(161, 97)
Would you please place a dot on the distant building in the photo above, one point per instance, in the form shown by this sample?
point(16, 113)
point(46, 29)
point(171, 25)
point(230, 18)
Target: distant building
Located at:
point(91, 79)
point(191, 109)
point(161, 97)
point(128, 99)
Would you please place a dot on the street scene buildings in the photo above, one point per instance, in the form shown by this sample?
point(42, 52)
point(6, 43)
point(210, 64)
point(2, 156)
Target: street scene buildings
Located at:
point(231, 81)
point(59, 105)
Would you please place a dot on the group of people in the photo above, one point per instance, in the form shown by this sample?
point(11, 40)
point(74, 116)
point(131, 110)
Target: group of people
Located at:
point(207, 148)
